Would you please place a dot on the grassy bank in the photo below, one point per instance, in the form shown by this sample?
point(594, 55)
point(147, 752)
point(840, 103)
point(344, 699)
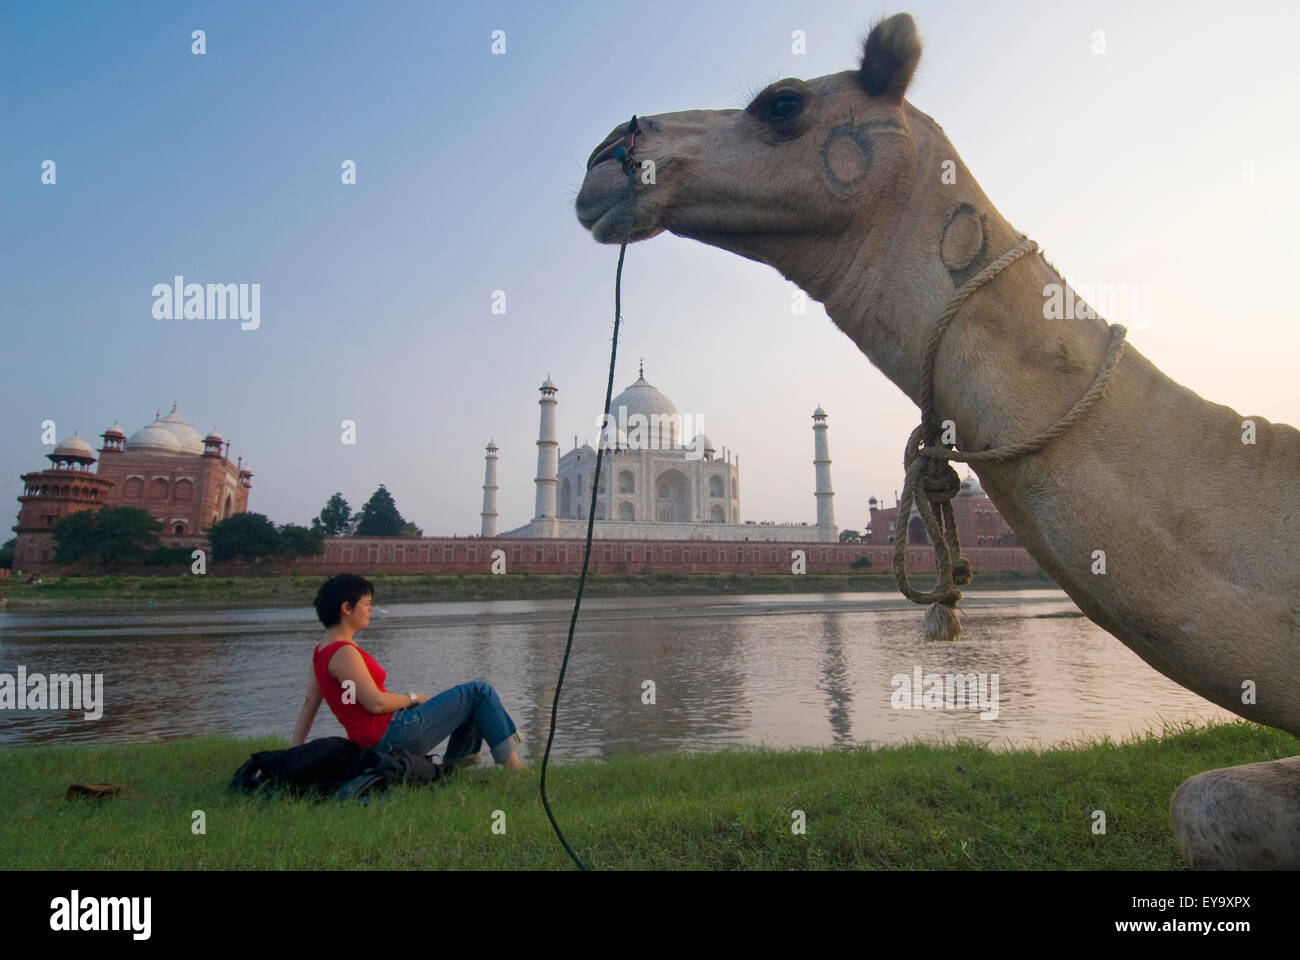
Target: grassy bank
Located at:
point(910, 807)
point(207, 591)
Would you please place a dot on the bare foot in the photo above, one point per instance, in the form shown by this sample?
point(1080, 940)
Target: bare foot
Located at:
point(514, 763)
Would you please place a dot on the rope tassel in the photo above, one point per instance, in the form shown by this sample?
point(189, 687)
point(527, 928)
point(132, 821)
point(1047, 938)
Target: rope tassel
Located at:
point(931, 484)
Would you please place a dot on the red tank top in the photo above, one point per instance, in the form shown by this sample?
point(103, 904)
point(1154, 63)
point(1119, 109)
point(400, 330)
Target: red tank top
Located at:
point(362, 726)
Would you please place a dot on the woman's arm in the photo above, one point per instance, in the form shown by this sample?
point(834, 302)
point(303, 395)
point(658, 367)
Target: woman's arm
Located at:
point(346, 664)
point(310, 704)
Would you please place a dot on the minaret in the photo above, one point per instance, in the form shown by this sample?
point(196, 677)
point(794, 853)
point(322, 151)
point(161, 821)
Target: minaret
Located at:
point(547, 454)
point(489, 513)
point(822, 461)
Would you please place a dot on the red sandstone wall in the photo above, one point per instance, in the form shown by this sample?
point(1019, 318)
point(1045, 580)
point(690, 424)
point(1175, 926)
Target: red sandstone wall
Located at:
point(452, 555)
point(474, 555)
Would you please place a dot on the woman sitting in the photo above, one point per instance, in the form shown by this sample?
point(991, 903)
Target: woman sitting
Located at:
point(352, 683)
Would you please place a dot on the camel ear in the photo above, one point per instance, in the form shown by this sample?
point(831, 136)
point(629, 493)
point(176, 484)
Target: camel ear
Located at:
point(889, 57)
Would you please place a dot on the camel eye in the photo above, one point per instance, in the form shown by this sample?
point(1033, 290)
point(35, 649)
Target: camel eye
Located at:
point(784, 106)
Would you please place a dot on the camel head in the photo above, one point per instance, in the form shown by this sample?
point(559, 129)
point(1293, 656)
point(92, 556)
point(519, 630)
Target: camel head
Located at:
point(798, 179)
point(837, 182)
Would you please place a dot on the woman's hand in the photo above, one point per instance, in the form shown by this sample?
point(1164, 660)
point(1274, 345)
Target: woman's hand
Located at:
point(420, 698)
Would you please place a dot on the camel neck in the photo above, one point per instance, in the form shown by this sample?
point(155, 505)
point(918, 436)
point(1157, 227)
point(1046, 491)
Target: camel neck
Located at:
point(1006, 368)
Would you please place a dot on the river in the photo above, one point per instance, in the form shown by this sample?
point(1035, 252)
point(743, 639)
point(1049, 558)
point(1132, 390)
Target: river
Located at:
point(796, 670)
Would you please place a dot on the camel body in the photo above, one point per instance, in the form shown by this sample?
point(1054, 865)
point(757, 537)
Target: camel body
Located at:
point(1199, 531)
point(859, 198)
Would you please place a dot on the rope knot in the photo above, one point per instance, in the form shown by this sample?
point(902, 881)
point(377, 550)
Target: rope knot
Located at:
point(941, 480)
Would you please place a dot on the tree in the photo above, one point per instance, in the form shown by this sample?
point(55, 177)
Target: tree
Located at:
point(74, 537)
point(846, 535)
point(296, 541)
point(7, 553)
point(861, 563)
point(335, 519)
point(379, 518)
point(109, 536)
point(244, 536)
point(169, 556)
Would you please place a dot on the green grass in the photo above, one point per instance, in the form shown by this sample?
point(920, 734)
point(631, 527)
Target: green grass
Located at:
point(959, 806)
point(297, 590)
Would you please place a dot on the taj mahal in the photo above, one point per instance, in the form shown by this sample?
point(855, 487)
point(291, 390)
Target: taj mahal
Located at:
point(654, 482)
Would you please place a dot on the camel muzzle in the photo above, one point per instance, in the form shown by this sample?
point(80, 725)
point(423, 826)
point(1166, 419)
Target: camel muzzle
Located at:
point(606, 203)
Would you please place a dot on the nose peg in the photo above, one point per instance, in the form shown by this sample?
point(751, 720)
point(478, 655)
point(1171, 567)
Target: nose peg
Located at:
point(624, 154)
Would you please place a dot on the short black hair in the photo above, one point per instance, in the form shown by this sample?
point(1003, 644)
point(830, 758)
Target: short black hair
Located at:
point(338, 590)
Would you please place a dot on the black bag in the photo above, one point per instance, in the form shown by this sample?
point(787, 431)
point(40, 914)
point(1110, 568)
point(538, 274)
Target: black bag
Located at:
point(334, 766)
point(299, 769)
point(382, 766)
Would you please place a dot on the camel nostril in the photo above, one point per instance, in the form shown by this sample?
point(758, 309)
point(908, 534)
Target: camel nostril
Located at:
point(602, 154)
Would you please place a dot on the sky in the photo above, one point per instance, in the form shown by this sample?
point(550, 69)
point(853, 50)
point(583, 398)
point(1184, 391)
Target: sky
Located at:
point(1152, 144)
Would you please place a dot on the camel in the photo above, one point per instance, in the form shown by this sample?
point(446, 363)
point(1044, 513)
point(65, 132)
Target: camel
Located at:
point(858, 197)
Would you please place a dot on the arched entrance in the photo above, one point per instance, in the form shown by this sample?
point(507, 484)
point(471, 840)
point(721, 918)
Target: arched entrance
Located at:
point(672, 498)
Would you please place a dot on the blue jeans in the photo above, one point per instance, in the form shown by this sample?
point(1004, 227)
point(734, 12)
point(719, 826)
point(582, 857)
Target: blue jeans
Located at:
point(467, 713)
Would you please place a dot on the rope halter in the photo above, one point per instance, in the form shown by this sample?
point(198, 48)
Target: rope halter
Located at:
point(931, 483)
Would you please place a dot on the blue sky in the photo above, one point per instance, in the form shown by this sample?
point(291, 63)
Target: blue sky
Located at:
point(376, 298)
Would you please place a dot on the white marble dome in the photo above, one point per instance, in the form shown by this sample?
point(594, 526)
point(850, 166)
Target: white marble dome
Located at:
point(189, 438)
point(155, 438)
point(642, 398)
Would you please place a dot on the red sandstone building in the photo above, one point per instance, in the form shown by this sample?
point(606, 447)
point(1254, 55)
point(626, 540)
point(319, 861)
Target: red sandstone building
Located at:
point(185, 481)
point(978, 522)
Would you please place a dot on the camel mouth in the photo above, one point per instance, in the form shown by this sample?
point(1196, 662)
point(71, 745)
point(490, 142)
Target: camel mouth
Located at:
point(606, 205)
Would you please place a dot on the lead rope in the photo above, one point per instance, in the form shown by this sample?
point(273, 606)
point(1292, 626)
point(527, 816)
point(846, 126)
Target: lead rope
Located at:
point(931, 483)
point(624, 155)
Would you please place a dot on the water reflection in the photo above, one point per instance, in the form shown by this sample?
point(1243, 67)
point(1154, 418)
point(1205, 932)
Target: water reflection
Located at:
point(795, 670)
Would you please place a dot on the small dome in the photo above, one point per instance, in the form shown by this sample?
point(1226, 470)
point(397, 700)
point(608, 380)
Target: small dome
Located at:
point(819, 412)
point(492, 445)
point(701, 442)
point(74, 448)
point(213, 437)
point(115, 431)
point(548, 384)
point(971, 486)
point(156, 438)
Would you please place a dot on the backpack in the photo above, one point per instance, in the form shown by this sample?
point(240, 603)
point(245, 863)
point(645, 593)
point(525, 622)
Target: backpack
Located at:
point(333, 766)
